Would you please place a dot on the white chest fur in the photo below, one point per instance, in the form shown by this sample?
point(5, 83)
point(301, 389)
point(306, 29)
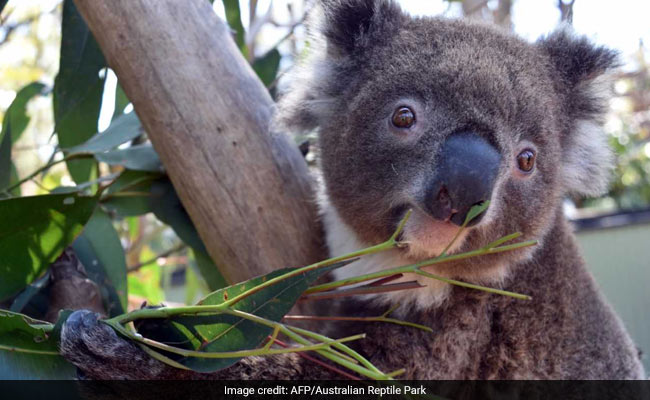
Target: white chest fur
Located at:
point(342, 240)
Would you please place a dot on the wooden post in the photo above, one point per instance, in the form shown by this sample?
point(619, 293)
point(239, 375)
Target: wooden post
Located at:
point(247, 189)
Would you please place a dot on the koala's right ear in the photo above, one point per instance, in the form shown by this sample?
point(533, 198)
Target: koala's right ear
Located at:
point(349, 26)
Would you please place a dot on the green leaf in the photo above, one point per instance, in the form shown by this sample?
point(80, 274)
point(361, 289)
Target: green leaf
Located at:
point(34, 232)
point(5, 158)
point(124, 128)
point(130, 194)
point(209, 271)
point(233, 17)
point(475, 211)
point(140, 158)
point(167, 207)
point(218, 333)
point(17, 112)
point(13, 126)
point(78, 89)
point(266, 67)
point(100, 251)
point(28, 350)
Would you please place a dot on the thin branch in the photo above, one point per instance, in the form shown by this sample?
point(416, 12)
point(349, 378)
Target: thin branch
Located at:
point(48, 166)
point(164, 254)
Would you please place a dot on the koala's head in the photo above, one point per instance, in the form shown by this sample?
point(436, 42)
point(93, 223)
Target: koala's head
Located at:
point(438, 115)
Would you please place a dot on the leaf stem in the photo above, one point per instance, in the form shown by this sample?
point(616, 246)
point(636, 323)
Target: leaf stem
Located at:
point(415, 269)
point(46, 167)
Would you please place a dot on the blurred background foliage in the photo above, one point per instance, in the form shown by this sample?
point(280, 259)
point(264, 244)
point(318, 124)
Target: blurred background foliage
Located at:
point(69, 128)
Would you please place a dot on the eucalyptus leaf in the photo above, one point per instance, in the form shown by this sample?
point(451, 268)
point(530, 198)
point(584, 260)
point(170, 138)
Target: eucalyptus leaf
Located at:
point(5, 158)
point(100, 251)
point(78, 89)
point(219, 333)
point(13, 125)
point(140, 158)
point(130, 194)
point(233, 17)
point(34, 232)
point(167, 207)
point(266, 67)
point(28, 350)
point(124, 128)
point(16, 114)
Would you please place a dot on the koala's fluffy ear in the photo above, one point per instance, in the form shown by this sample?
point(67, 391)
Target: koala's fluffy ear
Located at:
point(351, 25)
point(579, 70)
point(341, 31)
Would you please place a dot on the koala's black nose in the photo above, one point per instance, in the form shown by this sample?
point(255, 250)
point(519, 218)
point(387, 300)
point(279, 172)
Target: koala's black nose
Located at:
point(465, 175)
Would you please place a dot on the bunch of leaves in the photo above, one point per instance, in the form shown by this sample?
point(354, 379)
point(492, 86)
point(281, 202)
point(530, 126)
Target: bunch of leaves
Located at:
point(246, 319)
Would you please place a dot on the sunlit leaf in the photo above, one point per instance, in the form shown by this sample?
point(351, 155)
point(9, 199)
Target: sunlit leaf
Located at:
point(34, 232)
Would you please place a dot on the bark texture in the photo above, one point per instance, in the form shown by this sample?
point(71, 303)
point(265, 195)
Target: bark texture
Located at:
point(246, 188)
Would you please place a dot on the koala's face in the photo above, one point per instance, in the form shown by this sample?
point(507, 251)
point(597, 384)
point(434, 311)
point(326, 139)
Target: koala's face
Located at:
point(437, 115)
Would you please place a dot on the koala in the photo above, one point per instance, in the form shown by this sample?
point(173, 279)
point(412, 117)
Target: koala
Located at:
point(438, 115)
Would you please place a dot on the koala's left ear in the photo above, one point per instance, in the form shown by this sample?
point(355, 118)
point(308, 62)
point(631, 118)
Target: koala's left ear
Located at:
point(578, 69)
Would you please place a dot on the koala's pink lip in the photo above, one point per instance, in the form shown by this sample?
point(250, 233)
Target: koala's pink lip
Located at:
point(426, 237)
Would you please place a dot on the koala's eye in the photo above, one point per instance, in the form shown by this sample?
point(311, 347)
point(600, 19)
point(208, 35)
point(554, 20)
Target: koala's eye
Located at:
point(526, 160)
point(403, 117)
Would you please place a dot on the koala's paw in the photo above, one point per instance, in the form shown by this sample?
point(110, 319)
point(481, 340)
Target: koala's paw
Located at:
point(100, 353)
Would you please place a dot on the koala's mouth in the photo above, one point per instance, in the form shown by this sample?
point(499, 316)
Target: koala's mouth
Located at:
point(424, 237)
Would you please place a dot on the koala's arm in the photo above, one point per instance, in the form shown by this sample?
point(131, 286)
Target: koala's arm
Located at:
point(100, 353)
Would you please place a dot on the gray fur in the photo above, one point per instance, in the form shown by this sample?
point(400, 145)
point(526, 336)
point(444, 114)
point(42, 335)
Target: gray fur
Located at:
point(365, 58)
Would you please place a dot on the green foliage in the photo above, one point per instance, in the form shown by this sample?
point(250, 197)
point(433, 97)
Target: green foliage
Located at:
point(226, 332)
point(13, 126)
point(129, 195)
point(139, 158)
point(34, 232)
point(124, 128)
point(28, 350)
point(100, 251)
point(266, 67)
point(78, 89)
point(233, 17)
